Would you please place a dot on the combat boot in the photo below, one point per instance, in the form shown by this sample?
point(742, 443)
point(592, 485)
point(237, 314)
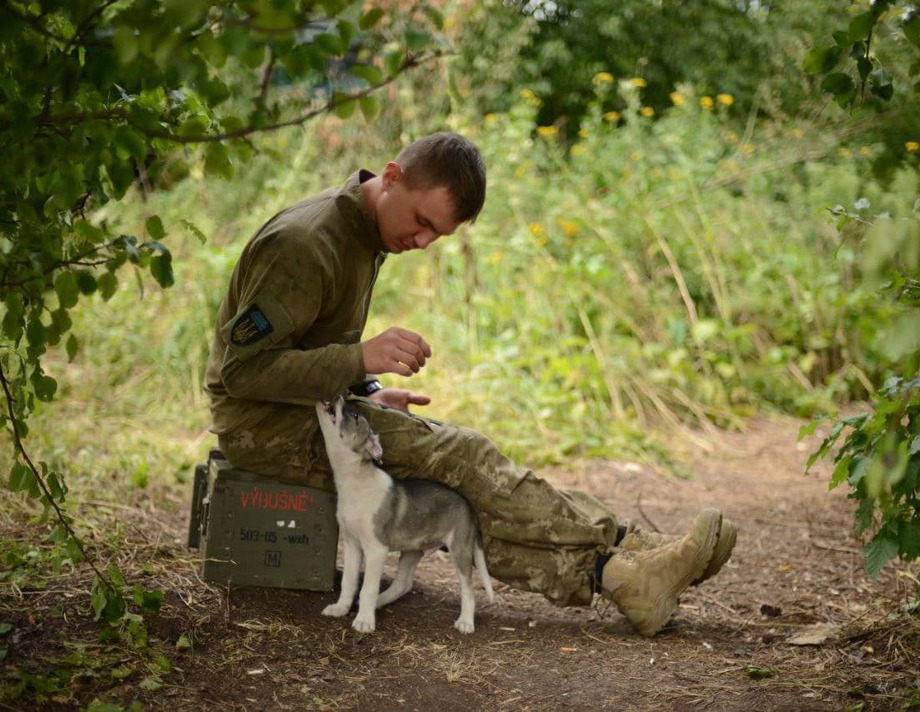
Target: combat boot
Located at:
point(638, 539)
point(645, 585)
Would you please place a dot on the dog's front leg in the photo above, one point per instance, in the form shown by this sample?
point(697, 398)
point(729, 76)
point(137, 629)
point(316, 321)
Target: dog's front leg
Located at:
point(375, 557)
point(351, 567)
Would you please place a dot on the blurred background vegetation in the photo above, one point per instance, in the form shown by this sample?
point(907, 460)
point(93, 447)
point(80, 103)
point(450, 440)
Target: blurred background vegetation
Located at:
point(672, 242)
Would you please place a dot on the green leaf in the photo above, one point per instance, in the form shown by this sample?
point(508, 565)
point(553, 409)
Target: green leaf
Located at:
point(909, 539)
point(330, 44)
point(98, 597)
point(184, 644)
point(217, 160)
point(150, 684)
point(126, 44)
point(161, 269)
point(838, 84)
point(371, 74)
point(155, 230)
point(912, 29)
point(344, 105)
point(759, 672)
point(864, 515)
point(821, 60)
point(148, 601)
point(128, 143)
point(115, 574)
point(192, 228)
point(44, 386)
point(435, 15)
point(86, 282)
point(108, 285)
point(879, 552)
point(861, 26)
point(369, 107)
point(20, 476)
point(65, 285)
point(417, 41)
point(58, 490)
point(370, 18)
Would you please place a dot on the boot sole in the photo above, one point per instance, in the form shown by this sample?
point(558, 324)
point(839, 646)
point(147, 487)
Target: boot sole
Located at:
point(728, 535)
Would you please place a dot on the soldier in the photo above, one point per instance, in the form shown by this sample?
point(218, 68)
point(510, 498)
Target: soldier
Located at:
point(289, 334)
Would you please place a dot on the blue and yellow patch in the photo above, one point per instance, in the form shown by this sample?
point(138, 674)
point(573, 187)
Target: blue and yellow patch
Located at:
point(250, 326)
point(261, 324)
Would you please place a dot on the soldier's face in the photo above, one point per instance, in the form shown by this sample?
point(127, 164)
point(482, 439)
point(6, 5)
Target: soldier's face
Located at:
point(411, 219)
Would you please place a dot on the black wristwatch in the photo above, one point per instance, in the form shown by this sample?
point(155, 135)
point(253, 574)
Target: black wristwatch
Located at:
point(365, 388)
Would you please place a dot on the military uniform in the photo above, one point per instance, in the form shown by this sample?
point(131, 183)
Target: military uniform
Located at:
point(287, 336)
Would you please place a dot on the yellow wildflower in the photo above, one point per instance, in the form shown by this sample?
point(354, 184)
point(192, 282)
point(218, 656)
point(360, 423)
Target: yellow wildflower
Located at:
point(647, 111)
point(569, 227)
point(536, 229)
point(912, 146)
point(547, 130)
point(496, 257)
point(707, 103)
point(677, 99)
point(638, 82)
point(612, 116)
point(602, 78)
point(731, 136)
point(748, 149)
point(865, 151)
point(725, 99)
point(582, 133)
point(489, 118)
point(530, 98)
point(578, 149)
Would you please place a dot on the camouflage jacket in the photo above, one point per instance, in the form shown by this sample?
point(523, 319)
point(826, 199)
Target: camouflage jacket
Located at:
point(288, 328)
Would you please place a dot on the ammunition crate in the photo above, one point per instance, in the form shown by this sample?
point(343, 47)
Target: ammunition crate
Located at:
point(256, 531)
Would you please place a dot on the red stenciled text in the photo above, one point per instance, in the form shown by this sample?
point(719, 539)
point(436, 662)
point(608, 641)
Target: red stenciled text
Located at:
point(278, 501)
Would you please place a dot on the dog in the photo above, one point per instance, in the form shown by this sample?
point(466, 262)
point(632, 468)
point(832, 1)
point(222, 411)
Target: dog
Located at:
point(378, 514)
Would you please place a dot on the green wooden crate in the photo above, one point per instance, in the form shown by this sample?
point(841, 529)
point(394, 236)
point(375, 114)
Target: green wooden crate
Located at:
point(257, 531)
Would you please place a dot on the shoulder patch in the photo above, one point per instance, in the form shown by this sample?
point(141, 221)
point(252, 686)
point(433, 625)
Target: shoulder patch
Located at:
point(250, 326)
point(260, 324)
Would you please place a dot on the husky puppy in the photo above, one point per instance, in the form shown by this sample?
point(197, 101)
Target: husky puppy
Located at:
point(378, 514)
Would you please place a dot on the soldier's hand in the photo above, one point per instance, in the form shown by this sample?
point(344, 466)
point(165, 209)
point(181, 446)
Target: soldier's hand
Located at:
point(399, 398)
point(396, 350)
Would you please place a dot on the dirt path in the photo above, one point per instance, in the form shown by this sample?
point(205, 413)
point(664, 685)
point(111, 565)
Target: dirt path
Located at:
point(792, 622)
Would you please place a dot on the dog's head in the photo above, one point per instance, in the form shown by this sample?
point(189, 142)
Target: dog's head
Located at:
point(347, 428)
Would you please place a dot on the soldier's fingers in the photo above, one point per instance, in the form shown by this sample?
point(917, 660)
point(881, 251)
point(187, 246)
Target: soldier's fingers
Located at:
point(411, 360)
point(416, 340)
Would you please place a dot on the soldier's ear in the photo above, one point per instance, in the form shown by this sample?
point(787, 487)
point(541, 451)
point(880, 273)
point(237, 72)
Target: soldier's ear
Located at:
point(373, 447)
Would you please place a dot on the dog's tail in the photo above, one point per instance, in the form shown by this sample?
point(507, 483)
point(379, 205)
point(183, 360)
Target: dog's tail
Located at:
point(480, 558)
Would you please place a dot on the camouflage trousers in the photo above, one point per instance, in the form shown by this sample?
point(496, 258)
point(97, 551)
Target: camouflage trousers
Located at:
point(536, 537)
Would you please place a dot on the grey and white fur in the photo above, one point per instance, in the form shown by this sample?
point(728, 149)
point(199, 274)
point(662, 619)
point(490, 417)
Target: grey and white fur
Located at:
point(378, 514)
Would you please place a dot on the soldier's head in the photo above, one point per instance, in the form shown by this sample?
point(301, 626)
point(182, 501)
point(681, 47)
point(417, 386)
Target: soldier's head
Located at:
point(434, 185)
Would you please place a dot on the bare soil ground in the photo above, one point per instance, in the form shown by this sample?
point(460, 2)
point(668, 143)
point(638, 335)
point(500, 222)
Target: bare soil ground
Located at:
point(791, 623)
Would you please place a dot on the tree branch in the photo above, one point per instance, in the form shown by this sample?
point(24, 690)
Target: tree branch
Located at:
point(43, 486)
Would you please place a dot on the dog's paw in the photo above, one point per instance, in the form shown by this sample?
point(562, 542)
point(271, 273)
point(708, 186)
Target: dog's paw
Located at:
point(364, 625)
point(464, 626)
point(336, 610)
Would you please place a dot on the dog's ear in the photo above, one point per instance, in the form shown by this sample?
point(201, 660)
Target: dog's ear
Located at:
point(373, 447)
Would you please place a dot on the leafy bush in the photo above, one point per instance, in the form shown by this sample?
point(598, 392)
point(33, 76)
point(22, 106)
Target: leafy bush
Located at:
point(880, 455)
